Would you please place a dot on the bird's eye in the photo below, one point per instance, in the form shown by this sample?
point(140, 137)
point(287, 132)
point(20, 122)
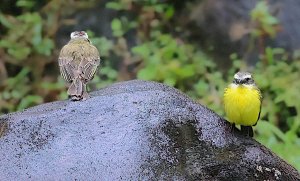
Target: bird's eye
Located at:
point(247, 79)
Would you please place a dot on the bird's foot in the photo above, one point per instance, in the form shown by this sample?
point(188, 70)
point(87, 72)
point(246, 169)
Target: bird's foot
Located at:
point(85, 96)
point(247, 130)
point(232, 127)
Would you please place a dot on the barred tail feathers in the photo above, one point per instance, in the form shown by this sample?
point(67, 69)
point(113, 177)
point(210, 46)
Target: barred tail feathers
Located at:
point(76, 88)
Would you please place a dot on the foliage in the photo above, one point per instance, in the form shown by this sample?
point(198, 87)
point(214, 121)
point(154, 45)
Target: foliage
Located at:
point(161, 53)
point(26, 57)
point(264, 25)
point(281, 108)
point(27, 51)
point(169, 61)
point(31, 23)
point(277, 78)
point(264, 20)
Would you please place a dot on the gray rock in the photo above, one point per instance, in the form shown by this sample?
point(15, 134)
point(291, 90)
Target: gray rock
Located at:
point(133, 130)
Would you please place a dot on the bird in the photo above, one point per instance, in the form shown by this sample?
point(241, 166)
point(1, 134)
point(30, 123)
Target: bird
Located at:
point(78, 62)
point(242, 102)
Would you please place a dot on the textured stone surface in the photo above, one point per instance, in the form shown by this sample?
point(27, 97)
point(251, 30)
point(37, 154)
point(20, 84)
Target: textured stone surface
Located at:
point(134, 130)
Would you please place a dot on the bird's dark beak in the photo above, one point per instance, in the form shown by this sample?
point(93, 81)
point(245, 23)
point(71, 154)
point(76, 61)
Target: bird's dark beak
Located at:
point(238, 81)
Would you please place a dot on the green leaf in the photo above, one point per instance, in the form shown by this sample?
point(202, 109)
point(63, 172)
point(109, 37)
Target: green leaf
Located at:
point(265, 126)
point(147, 73)
point(4, 21)
point(116, 26)
point(114, 5)
point(141, 50)
point(19, 53)
point(29, 100)
point(186, 71)
point(201, 87)
point(169, 12)
point(45, 47)
point(25, 3)
point(103, 44)
point(171, 81)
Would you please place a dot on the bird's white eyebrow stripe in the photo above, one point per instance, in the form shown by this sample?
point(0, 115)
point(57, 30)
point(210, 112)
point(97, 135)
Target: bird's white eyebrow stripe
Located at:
point(248, 76)
point(236, 76)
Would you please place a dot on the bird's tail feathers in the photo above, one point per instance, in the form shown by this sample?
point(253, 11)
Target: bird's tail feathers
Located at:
point(77, 88)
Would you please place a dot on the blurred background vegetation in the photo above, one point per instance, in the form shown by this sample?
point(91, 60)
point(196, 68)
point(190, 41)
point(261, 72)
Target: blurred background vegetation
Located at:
point(152, 40)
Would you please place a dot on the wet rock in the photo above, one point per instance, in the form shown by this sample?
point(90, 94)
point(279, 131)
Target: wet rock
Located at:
point(133, 130)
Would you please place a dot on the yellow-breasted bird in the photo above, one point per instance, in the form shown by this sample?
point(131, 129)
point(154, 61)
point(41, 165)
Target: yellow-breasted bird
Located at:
point(78, 61)
point(242, 101)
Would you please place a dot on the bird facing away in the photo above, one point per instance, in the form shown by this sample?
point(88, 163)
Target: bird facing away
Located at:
point(242, 101)
point(78, 61)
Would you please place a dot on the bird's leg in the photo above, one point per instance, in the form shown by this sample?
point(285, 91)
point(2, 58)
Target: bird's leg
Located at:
point(232, 127)
point(247, 130)
point(85, 95)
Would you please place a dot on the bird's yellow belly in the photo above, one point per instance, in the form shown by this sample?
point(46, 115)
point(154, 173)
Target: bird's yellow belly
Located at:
point(242, 105)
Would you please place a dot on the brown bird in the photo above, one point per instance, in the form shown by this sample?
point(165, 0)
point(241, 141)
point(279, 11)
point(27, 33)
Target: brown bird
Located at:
point(78, 61)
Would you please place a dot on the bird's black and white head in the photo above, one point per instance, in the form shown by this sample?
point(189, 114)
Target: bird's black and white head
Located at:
point(79, 34)
point(243, 78)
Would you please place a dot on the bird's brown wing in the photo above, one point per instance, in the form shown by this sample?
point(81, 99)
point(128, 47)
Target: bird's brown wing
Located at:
point(90, 63)
point(65, 66)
